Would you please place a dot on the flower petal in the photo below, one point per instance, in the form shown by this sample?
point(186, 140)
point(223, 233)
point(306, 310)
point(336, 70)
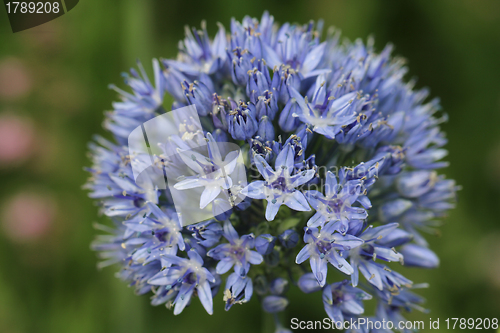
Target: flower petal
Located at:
point(272, 209)
point(183, 298)
point(224, 265)
point(303, 255)
point(285, 159)
point(297, 201)
point(205, 296)
point(255, 258)
point(255, 190)
point(208, 195)
point(319, 269)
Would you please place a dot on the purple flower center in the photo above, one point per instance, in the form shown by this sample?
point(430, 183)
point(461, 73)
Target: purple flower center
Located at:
point(190, 278)
point(279, 184)
point(323, 246)
point(238, 253)
point(294, 63)
point(208, 169)
point(139, 202)
point(337, 296)
point(335, 206)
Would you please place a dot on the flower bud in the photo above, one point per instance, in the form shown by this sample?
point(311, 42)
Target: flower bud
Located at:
point(308, 283)
point(266, 129)
point(287, 121)
point(273, 304)
point(289, 238)
point(419, 256)
point(392, 209)
point(278, 286)
point(264, 244)
point(416, 183)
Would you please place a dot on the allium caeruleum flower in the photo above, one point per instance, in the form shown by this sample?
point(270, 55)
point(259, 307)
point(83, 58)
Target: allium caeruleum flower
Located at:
point(342, 174)
point(280, 186)
point(336, 206)
point(236, 253)
point(340, 299)
point(212, 174)
point(323, 247)
point(188, 274)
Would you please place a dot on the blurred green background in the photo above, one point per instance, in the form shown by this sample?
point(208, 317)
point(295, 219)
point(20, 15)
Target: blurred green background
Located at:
point(53, 91)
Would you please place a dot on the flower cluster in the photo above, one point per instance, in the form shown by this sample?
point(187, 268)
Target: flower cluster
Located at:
point(341, 175)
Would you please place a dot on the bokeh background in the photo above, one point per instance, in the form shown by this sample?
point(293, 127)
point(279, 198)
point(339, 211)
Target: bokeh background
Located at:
point(53, 91)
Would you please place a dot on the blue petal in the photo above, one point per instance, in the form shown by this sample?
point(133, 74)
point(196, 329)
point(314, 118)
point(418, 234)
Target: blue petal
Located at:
point(224, 265)
point(353, 307)
point(334, 313)
point(312, 196)
point(339, 263)
point(317, 220)
point(272, 210)
point(213, 149)
point(255, 190)
point(371, 273)
point(355, 274)
point(302, 177)
point(153, 208)
point(229, 232)
point(393, 209)
point(208, 195)
point(248, 289)
point(319, 269)
point(183, 298)
point(193, 255)
point(209, 276)
point(347, 241)
point(387, 254)
point(330, 184)
point(272, 58)
point(303, 255)
point(371, 234)
point(205, 295)
point(308, 283)
point(298, 202)
point(255, 258)
point(285, 159)
point(313, 58)
point(265, 169)
point(419, 256)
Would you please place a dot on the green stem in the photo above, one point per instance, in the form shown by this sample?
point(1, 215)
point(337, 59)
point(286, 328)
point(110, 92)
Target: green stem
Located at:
point(267, 322)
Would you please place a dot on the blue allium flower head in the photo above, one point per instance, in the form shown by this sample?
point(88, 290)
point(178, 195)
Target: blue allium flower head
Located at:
point(341, 162)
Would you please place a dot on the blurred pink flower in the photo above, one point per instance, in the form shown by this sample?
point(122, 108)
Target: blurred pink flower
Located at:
point(15, 80)
point(17, 139)
point(28, 216)
point(46, 37)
